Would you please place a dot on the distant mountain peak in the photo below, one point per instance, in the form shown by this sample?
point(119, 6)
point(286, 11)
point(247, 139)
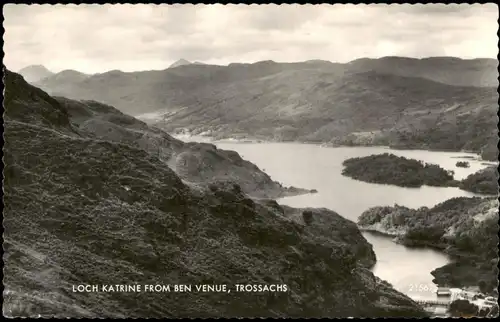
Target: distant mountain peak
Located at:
point(70, 72)
point(316, 61)
point(35, 73)
point(63, 77)
point(180, 62)
point(265, 62)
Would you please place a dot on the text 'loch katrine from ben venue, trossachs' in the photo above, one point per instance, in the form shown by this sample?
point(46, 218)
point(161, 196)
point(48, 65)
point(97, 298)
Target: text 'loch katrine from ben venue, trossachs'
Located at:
point(178, 288)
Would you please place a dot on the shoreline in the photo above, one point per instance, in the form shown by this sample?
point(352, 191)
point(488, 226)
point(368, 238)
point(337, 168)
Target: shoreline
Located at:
point(400, 240)
point(469, 155)
point(412, 173)
point(291, 191)
point(457, 260)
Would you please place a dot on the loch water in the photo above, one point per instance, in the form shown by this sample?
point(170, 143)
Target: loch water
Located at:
point(317, 167)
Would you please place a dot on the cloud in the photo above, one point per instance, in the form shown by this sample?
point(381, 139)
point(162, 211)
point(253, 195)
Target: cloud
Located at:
point(96, 38)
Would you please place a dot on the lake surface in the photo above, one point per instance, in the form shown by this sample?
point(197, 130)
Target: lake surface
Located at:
point(315, 167)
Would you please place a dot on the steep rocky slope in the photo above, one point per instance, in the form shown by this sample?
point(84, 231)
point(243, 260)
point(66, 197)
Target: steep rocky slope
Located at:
point(466, 228)
point(86, 209)
point(401, 102)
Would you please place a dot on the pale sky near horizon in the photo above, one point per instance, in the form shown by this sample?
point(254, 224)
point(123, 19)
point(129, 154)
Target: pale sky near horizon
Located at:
point(98, 38)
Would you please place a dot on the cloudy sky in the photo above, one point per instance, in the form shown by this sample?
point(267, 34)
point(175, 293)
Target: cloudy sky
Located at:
point(97, 38)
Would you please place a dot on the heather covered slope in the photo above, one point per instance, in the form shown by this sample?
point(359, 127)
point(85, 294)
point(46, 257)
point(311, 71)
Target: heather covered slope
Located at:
point(194, 162)
point(87, 210)
point(365, 102)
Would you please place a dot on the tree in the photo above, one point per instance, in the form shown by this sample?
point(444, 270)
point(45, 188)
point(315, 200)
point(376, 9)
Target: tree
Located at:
point(307, 215)
point(484, 312)
point(494, 311)
point(483, 286)
point(463, 308)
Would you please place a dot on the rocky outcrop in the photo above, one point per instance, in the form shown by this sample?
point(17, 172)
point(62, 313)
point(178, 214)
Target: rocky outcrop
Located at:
point(84, 208)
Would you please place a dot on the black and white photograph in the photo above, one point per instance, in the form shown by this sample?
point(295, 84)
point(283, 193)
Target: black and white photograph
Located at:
point(250, 161)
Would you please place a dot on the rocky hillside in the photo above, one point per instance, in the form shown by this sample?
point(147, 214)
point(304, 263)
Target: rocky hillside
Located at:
point(85, 208)
point(466, 228)
point(34, 73)
point(405, 103)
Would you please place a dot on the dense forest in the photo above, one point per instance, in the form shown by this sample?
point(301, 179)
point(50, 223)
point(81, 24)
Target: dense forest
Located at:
point(390, 169)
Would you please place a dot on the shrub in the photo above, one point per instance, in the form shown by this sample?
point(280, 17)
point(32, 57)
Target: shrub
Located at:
point(307, 215)
point(463, 308)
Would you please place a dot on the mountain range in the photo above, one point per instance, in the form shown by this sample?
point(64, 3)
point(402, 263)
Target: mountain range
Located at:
point(441, 103)
point(94, 196)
